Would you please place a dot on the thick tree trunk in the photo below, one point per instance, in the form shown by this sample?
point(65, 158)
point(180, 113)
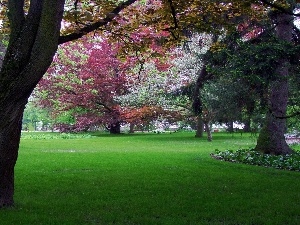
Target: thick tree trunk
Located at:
point(271, 139)
point(115, 128)
point(131, 128)
point(199, 127)
point(10, 131)
point(197, 104)
point(32, 44)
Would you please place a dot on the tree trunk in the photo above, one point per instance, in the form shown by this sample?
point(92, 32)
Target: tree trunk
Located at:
point(10, 132)
point(2, 52)
point(199, 127)
point(197, 104)
point(208, 130)
point(131, 128)
point(33, 42)
point(271, 139)
point(250, 106)
point(230, 127)
point(115, 128)
point(247, 127)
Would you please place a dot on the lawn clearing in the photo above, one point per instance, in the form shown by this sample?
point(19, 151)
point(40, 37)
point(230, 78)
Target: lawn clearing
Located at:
point(147, 179)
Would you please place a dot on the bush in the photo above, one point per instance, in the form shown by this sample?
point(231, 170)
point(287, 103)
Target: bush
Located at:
point(252, 157)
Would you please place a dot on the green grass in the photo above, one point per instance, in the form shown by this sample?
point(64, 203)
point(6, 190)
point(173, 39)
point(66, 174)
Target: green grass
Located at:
point(147, 179)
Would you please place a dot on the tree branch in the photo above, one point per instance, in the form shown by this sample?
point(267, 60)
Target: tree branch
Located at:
point(197, 101)
point(94, 26)
point(173, 11)
point(16, 16)
point(75, 4)
point(104, 105)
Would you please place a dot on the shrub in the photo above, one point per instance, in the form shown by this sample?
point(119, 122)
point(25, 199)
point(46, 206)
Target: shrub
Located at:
point(252, 157)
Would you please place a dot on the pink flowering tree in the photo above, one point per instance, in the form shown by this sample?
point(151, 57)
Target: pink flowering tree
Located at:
point(84, 79)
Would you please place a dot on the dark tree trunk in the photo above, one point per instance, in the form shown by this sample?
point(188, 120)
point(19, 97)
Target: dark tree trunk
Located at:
point(115, 128)
point(250, 106)
point(271, 139)
point(230, 127)
point(247, 127)
point(32, 44)
point(2, 52)
point(199, 127)
point(197, 105)
point(131, 128)
point(10, 131)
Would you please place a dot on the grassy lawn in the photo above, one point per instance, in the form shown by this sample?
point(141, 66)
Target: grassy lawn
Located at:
point(147, 179)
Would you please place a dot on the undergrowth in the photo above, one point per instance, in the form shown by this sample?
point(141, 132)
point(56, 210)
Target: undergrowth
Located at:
point(48, 136)
point(253, 157)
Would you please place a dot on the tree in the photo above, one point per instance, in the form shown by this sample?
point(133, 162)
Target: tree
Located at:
point(33, 40)
point(159, 84)
point(262, 56)
point(34, 34)
point(271, 138)
point(32, 44)
point(191, 67)
point(86, 77)
point(146, 98)
point(33, 114)
point(169, 84)
point(145, 115)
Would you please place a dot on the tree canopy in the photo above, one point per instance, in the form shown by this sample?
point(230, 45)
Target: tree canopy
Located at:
point(31, 31)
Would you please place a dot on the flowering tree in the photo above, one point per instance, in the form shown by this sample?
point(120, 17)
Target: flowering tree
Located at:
point(159, 82)
point(85, 78)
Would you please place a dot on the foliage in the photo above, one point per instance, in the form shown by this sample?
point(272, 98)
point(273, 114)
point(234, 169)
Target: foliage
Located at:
point(85, 83)
point(163, 83)
point(172, 16)
point(248, 66)
point(174, 20)
point(147, 86)
point(146, 114)
point(223, 98)
point(254, 62)
point(50, 136)
point(253, 157)
point(294, 101)
point(33, 114)
point(149, 91)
